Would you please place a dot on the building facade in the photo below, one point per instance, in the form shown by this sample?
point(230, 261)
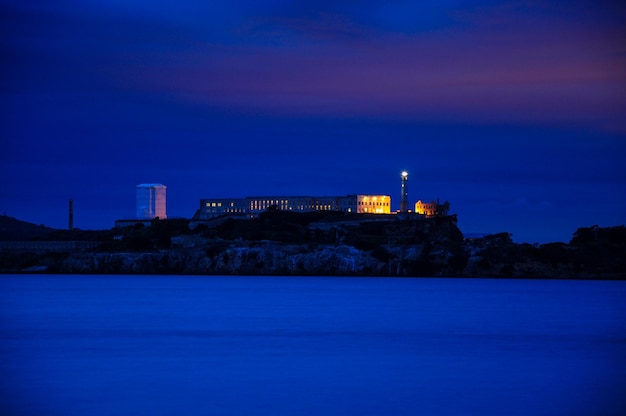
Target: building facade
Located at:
point(373, 204)
point(252, 206)
point(432, 209)
point(151, 201)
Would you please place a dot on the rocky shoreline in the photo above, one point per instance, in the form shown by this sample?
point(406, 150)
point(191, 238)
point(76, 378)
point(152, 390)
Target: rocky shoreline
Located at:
point(330, 245)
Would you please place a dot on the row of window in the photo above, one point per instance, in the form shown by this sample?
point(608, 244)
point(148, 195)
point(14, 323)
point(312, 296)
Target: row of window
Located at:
point(308, 202)
point(377, 210)
point(299, 204)
point(291, 208)
point(217, 209)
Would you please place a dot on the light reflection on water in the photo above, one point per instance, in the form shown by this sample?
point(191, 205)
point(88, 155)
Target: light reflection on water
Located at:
point(165, 345)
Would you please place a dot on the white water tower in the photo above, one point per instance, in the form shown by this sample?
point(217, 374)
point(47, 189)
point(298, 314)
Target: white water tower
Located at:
point(151, 201)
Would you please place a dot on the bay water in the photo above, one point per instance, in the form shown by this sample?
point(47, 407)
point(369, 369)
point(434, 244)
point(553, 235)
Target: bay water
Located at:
point(248, 345)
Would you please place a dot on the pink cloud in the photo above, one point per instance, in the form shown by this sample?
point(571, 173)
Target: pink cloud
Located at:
point(555, 75)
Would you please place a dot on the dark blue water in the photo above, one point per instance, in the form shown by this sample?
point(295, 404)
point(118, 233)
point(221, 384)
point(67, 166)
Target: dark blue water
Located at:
point(170, 345)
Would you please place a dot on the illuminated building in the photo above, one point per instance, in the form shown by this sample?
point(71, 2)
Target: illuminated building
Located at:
point(426, 208)
point(151, 201)
point(377, 204)
point(252, 206)
point(432, 209)
point(404, 192)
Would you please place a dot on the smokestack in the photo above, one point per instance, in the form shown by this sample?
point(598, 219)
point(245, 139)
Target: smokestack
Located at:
point(70, 225)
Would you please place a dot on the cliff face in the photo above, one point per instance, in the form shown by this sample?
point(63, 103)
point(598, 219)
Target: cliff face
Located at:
point(264, 258)
point(343, 248)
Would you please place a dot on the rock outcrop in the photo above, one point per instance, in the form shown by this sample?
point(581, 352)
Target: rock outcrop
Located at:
point(593, 252)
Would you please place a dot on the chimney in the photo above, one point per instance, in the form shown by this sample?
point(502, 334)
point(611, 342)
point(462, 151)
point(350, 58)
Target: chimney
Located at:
point(70, 225)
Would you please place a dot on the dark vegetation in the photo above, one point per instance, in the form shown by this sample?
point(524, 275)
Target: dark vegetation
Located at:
point(141, 238)
point(280, 226)
point(592, 252)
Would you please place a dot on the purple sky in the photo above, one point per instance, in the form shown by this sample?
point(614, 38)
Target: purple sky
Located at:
point(514, 111)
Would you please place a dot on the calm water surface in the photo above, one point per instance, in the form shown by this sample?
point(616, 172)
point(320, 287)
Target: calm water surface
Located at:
point(172, 345)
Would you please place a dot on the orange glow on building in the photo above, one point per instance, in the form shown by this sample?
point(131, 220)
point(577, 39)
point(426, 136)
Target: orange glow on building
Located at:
point(426, 208)
point(432, 209)
point(373, 204)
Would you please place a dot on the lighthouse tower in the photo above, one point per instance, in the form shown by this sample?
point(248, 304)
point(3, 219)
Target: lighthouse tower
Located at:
point(404, 192)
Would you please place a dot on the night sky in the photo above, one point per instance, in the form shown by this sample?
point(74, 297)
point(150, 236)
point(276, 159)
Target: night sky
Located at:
point(514, 111)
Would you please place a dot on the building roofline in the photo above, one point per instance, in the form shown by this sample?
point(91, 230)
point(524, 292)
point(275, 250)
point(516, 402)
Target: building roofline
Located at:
point(151, 185)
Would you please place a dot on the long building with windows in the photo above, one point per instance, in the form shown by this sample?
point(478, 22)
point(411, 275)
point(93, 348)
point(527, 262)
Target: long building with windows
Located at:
point(252, 206)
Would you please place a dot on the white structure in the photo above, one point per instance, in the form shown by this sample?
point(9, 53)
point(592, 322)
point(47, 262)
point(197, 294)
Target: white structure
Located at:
point(151, 201)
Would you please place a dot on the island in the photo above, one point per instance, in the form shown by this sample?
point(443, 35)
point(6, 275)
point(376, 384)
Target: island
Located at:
point(323, 243)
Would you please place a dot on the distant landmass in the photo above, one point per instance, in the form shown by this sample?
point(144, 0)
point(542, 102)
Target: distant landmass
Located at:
point(315, 243)
point(12, 229)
